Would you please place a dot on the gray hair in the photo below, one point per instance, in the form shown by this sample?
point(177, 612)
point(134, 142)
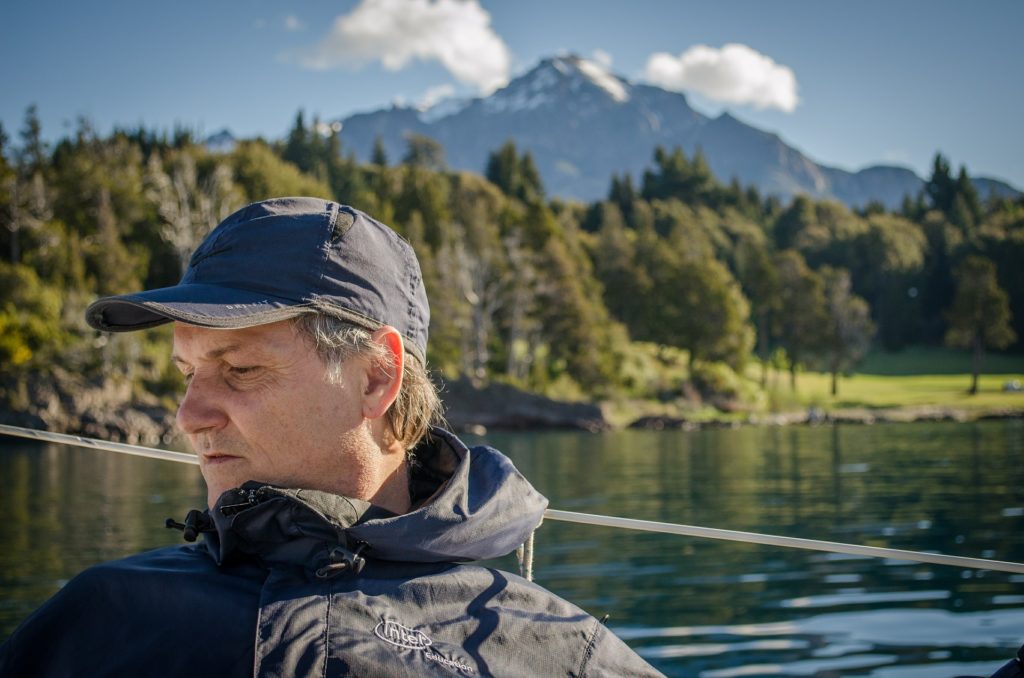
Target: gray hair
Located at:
point(336, 340)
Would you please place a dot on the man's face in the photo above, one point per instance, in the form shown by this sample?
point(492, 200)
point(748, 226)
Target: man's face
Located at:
point(259, 407)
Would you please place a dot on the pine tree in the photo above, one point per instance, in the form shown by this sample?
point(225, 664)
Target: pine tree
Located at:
point(503, 168)
point(966, 209)
point(379, 157)
point(33, 154)
point(799, 217)
point(940, 187)
point(530, 185)
point(296, 148)
point(623, 195)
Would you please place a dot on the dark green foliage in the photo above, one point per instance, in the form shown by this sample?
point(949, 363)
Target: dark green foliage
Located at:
point(32, 156)
point(516, 176)
point(940, 188)
point(623, 195)
point(379, 156)
point(546, 294)
point(966, 209)
point(424, 152)
point(760, 281)
point(979, 316)
point(263, 174)
point(30, 327)
point(955, 198)
point(674, 176)
point(849, 330)
point(887, 261)
point(801, 323)
point(297, 149)
point(1001, 237)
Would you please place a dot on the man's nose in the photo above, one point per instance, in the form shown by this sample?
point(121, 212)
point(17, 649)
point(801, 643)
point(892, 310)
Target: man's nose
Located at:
point(200, 409)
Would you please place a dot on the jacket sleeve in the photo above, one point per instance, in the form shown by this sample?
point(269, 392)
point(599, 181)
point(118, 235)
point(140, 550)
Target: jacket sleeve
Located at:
point(607, 655)
point(61, 638)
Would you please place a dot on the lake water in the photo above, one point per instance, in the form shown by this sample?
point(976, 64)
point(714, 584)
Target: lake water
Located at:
point(692, 607)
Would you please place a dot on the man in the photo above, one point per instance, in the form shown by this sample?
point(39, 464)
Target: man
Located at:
point(337, 513)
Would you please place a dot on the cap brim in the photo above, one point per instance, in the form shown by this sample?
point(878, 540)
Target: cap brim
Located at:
point(196, 304)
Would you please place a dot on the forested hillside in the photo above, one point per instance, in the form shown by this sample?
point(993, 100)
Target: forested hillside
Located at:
point(671, 287)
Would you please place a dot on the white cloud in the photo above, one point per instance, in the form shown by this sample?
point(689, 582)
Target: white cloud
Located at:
point(292, 23)
point(603, 58)
point(456, 33)
point(433, 95)
point(734, 74)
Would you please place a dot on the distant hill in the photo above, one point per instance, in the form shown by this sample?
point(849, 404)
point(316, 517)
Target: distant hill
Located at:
point(583, 123)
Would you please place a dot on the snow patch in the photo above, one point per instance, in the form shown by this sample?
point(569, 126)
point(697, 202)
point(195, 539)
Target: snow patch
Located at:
point(600, 76)
point(443, 108)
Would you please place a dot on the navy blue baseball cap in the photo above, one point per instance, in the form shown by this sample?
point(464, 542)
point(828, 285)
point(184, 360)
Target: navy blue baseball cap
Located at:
point(280, 258)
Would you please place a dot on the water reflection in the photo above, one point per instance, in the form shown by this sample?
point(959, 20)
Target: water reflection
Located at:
point(935, 487)
point(63, 509)
point(693, 607)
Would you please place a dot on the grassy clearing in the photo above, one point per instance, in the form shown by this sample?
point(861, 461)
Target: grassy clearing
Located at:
point(930, 360)
point(916, 377)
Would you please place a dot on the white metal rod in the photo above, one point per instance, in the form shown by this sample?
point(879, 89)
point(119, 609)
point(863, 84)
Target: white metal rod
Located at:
point(123, 448)
point(591, 519)
point(791, 542)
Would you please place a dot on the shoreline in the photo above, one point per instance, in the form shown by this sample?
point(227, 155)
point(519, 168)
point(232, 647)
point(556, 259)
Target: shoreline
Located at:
point(813, 416)
point(113, 413)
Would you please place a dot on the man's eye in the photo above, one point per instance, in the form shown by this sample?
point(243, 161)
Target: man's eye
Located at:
point(243, 371)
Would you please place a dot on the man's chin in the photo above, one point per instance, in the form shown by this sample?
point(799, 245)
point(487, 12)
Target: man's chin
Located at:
point(222, 477)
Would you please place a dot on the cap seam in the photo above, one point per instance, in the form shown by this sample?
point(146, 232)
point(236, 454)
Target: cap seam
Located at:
point(331, 214)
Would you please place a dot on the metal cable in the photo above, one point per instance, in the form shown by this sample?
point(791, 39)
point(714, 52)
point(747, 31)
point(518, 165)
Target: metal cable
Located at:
point(591, 519)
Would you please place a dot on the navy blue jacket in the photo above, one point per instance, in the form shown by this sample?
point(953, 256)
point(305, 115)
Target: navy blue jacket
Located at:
point(303, 583)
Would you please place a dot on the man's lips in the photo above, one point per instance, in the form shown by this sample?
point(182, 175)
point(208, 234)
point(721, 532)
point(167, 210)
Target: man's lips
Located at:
point(213, 459)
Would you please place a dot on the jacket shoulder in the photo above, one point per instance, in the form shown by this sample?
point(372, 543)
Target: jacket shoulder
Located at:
point(574, 641)
point(143, 605)
point(607, 655)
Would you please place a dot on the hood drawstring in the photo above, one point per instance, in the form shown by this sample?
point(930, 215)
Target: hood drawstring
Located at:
point(524, 553)
point(196, 521)
point(340, 560)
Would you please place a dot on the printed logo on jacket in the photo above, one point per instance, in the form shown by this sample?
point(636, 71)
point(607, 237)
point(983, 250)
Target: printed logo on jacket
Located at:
point(402, 636)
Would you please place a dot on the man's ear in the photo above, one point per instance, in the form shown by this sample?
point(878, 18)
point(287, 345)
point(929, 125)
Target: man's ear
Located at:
point(384, 378)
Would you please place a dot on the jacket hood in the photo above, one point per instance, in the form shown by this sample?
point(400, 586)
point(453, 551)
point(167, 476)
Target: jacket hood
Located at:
point(484, 509)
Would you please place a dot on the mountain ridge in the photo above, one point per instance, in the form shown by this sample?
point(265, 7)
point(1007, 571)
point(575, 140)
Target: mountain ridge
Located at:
point(582, 123)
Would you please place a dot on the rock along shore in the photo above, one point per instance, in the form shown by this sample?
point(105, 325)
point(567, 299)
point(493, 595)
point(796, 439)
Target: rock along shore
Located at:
point(110, 411)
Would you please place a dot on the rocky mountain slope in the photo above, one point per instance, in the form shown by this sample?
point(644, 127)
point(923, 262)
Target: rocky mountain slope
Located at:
point(582, 123)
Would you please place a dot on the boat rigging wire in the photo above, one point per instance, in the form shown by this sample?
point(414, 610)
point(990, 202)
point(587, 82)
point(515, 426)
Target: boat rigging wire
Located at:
point(592, 519)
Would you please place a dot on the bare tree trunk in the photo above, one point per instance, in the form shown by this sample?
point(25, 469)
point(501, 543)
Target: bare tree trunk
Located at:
point(15, 250)
point(15, 225)
point(979, 350)
point(188, 206)
point(522, 339)
point(792, 375)
point(834, 366)
point(762, 345)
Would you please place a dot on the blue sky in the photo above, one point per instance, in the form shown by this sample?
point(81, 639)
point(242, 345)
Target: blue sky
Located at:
point(876, 82)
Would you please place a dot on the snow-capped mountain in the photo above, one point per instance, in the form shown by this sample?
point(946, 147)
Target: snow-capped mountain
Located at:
point(583, 123)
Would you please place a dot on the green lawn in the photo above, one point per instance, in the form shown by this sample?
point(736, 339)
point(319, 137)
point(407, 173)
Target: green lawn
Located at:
point(919, 376)
point(927, 360)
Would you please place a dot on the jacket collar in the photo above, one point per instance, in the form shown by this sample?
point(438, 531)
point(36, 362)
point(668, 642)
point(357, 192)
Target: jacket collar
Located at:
point(473, 504)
